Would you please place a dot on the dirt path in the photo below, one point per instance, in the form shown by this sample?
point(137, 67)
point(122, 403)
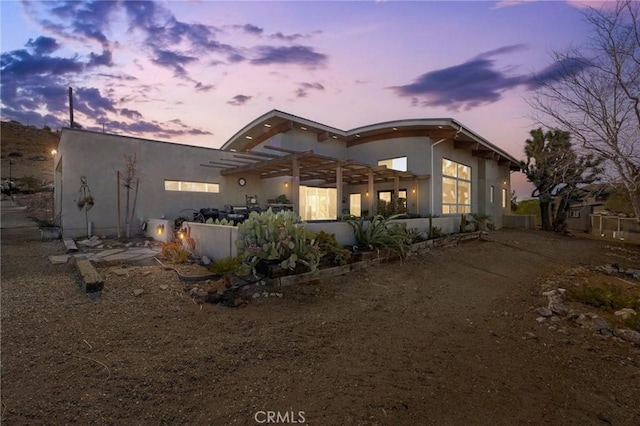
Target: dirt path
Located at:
point(439, 339)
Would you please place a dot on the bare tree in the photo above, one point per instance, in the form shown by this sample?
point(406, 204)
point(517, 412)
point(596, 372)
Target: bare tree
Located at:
point(129, 176)
point(595, 93)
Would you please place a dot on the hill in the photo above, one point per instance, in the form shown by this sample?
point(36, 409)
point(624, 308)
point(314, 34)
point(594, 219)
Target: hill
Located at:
point(29, 150)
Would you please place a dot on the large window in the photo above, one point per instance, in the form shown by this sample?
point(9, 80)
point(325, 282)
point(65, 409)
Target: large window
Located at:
point(456, 187)
point(318, 203)
point(399, 163)
point(183, 186)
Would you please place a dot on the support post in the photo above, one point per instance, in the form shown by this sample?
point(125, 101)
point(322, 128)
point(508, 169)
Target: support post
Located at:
point(370, 191)
point(339, 190)
point(295, 186)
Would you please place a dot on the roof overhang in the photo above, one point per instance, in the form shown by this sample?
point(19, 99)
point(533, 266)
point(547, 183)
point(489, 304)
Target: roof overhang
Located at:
point(275, 122)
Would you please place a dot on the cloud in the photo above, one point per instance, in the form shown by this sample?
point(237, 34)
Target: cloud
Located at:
point(250, 29)
point(131, 114)
point(90, 101)
point(239, 100)
point(297, 55)
point(204, 87)
point(558, 70)
point(477, 81)
point(43, 45)
point(303, 89)
point(174, 61)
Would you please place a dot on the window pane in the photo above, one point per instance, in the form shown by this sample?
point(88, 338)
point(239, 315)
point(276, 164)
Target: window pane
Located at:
point(384, 196)
point(464, 172)
point(171, 185)
point(448, 167)
point(464, 192)
point(399, 163)
point(504, 198)
point(491, 193)
point(402, 194)
point(175, 185)
point(355, 203)
point(448, 190)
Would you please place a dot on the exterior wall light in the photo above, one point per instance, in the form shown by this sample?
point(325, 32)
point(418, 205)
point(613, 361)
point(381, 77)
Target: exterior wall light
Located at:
point(286, 184)
point(160, 229)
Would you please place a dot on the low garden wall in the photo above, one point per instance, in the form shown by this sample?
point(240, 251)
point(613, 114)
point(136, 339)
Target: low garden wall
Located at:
point(218, 241)
point(519, 221)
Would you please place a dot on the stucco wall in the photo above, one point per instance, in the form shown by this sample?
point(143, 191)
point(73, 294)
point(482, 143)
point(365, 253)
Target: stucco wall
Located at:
point(98, 156)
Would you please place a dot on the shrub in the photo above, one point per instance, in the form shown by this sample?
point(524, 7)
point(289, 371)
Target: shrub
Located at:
point(227, 266)
point(174, 252)
point(481, 222)
point(330, 247)
point(15, 154)
point(608, 297)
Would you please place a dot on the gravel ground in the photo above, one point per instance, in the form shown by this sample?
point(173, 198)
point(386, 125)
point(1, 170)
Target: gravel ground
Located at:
point(449, 337)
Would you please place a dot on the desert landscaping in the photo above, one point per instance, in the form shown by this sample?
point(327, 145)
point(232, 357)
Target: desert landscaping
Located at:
point(496, 328)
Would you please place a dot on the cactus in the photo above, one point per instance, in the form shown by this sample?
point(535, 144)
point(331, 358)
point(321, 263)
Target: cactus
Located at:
point(277, 236)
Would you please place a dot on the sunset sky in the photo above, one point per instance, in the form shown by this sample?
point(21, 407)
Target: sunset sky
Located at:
point(196, 72)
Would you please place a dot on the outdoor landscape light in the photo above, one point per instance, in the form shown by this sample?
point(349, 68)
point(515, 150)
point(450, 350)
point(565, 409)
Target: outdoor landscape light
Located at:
point(54, 151)
point(160, 229)
point(180, 235)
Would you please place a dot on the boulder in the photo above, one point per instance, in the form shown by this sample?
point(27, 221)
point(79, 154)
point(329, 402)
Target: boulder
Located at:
point(628, 335)
point(625, 313)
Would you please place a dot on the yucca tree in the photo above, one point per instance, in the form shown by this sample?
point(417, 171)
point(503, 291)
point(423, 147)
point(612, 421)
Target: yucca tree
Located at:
point(556, 171)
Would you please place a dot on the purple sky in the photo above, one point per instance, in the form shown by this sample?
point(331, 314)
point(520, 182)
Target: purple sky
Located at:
point(196, 72)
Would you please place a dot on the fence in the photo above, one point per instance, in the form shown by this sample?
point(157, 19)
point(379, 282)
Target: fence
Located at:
point(615, 227)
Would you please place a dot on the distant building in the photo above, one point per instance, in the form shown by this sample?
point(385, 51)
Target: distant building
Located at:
point(592, 203)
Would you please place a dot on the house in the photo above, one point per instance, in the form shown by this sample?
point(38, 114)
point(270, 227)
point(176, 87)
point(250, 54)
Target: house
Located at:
point(437, 166)
point(592, 203)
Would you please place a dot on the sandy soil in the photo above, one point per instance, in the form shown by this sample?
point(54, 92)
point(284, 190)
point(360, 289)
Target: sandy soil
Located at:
point(437, 339)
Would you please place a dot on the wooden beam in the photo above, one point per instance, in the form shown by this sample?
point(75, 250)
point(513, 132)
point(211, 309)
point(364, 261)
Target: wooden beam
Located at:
point(266, 163)
point(256, 155)
point(466, 145)
point(483, 154)
point(257, 140)
point(275, 148)
point(220, 163)
point(323, 136)
point(370, 189)
point(212, 166)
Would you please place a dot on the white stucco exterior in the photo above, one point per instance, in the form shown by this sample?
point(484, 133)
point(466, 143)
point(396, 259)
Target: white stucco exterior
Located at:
point(98, 157)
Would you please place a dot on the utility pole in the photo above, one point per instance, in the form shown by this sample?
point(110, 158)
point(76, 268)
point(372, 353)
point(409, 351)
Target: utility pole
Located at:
point(71, 107)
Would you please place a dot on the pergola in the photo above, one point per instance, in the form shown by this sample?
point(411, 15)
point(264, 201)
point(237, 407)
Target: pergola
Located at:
point(304, 166)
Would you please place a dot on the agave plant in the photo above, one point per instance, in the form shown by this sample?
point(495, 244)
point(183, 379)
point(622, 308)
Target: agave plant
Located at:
point(380, 233)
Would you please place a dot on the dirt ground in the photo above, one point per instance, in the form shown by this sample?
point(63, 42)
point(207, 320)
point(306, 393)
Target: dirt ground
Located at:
point(449, 337)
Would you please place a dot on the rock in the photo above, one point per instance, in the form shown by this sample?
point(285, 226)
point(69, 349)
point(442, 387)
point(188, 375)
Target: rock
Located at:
point(200, 295)
point(556, 305)
point(529, 336)
point(591, 315)
point(549, 293)
point(625, 313)
point(601, 326)
point(59, 260)
point(138, 292)
point(256, 295)
point(553, 328)
point(145, 273)
point(583, 321)
point(563, 331)
point(120, 271)
point(554, 320)
point(206, 261)
point(265, 294)
point(541, 319)
point(544, 312)
point(90, 243)
point(628, 335)
point(128, 245)
point(163, 286)
point(279, 295)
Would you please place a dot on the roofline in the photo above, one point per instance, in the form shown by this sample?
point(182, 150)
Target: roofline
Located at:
point(68, 129)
